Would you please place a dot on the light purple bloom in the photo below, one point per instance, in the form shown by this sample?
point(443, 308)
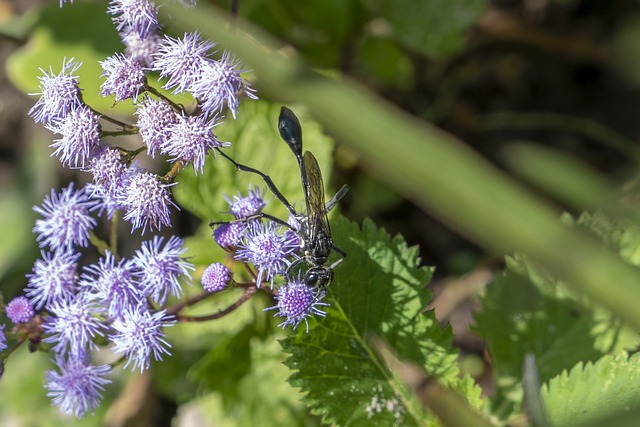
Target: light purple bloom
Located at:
point(72, 325)
point(297, 302)
point(154, 119)
point(220, 83)
point(54, 277)
point(80, 130)
point(112, 284)
point(243, 207)
point(216, 277)
point(140, 16)
point(107, 168)
point(160, 268)
point(60, 93)
point(138, 334)
point(20, 310)
point(229, 235)
point(125, 77)
point(191, 139)
point(77, 388)
point(3, 340)
point(181, 60)
point(147, 200)
point(267, 247)
point(140, 49)
point(66, 221)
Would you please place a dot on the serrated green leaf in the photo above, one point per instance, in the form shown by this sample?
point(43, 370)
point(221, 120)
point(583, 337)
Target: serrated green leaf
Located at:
point(378, 290)
point(255, 142)
point(593, 390)
point(436, 28)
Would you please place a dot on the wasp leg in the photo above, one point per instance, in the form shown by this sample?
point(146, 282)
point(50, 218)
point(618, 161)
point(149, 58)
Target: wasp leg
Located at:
point(266, 178)
point(336, 198)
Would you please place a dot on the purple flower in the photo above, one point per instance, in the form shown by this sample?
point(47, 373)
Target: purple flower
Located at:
point(3, 340)
point(181, 60)
point(297, 302)
point(140, 49)
point(112, 284)
point(219, 82)
point(72, 325)
point(20, 310)
point(78, 387)
point(190, 139)
point(161, 268)
point(80, 130)
point(138, 334)
point(60, 93)
point(154, 119)
point(243, 207)
point(66, 221)
point(125, 77)
point(147, 202)
point(267, 248)
point(140, 16)
point(107, 167)
point(229, 235)
point(54, 277)
point(216, 277)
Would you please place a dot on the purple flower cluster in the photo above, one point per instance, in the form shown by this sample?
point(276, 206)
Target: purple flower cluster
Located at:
point(271, 248)
point(110, 299)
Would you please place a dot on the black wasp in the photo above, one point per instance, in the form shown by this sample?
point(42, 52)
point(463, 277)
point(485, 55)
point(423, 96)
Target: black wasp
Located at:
point(314, 233)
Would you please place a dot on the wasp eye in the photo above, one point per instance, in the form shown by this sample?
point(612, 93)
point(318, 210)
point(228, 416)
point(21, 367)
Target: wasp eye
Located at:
point(311, 279)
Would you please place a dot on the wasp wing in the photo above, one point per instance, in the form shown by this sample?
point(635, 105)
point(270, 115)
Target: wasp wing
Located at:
point(313, 186)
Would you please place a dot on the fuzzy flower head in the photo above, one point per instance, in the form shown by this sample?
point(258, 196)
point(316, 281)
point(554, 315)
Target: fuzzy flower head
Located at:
point(297, 302)
point(20, 310)
point(125, 77)
point(147, 202)
point(267, 247)
point(140, 16)
point(161, 268)
point(191, 139)
point(181, 60)
point(60, 93)
point(220, 83)
point(243, 207)
point(140, 49)
point(138, 334)
point(229, 235)
point(216, 277)
point(112, 284)
point(155, 117)
point(66, 220)
point(77, 388)
point(53, 278)
point(72, 325)
point(107, 167)
point(80, 130)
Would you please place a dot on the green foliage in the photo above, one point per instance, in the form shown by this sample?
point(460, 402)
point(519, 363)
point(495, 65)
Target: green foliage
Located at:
point(435, 28)
point(593, 391)
point(378, 291)
point(528, 310)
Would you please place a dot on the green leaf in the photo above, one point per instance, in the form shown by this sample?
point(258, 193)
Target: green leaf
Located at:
point(527, 310)
point(255, 142)
point(436, 28)
point(378, 290)
point(594, 390)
